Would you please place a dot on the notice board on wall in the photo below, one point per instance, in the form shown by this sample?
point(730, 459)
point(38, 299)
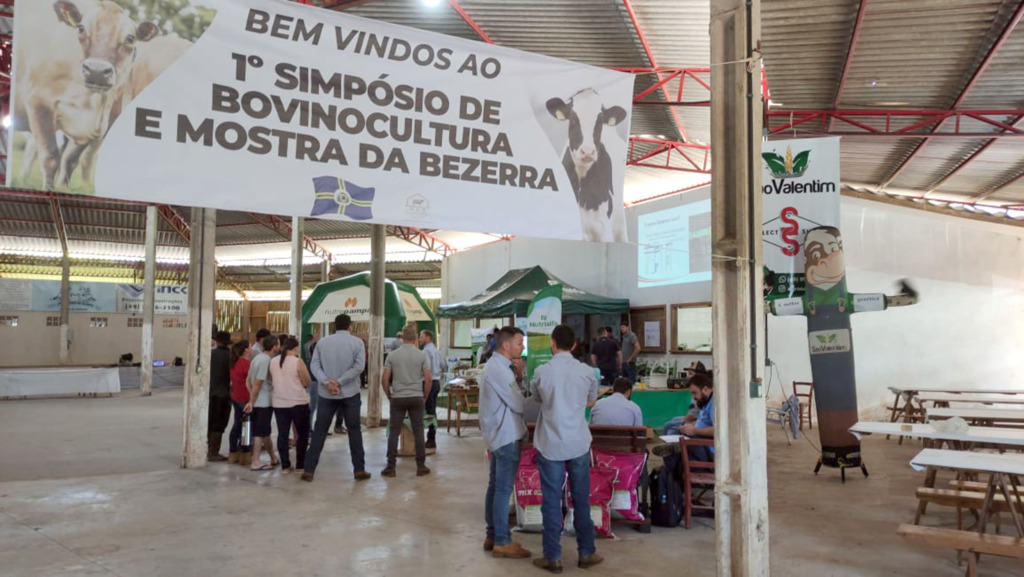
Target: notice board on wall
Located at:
point(649, 325)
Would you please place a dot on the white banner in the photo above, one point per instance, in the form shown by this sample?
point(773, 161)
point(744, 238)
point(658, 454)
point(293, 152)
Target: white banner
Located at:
point(290, 109)
point(800, 186)
point(170, 299)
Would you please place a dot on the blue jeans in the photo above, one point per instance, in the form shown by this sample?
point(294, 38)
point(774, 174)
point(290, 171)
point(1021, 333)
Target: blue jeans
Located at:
point(674, 426)
point(325, 411)
point(629, 371)
point(552, 477)
point(500, 483)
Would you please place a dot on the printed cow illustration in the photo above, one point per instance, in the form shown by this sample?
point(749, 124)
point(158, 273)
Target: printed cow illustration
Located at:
point(589, 166)
point(69, 84)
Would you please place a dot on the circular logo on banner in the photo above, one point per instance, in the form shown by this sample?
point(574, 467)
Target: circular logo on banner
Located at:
point(342, 198)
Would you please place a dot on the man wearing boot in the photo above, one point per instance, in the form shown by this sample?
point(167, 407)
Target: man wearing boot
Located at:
point(437, 369)
point(564, 388)
point(220, 395)
point(405, 382)
point(501, 422)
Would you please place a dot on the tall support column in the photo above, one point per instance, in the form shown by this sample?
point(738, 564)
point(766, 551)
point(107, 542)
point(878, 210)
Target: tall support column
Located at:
point(149, 300)
point(741, 479)
point(325, 276)
point(65, 309)
point(295, 310)
point(375, 354)
point(247, 321)
point(202, 274)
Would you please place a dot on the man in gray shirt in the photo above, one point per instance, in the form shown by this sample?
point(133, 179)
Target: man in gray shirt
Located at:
point(630, 351)
point(564, 387)
point(406, 384)
point(437, 369)
point(336, 365)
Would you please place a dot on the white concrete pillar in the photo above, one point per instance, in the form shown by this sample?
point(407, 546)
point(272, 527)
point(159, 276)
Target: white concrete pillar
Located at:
point(149, 301)
point(375, 354)
point(295, 310)
point(325, 276)
point(65, 309)
point(202, 276)
point(741, 480)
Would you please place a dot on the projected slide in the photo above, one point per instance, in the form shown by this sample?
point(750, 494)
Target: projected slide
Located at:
point(675, 245)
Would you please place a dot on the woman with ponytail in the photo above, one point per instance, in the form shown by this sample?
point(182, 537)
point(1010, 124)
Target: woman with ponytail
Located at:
point(291, 402)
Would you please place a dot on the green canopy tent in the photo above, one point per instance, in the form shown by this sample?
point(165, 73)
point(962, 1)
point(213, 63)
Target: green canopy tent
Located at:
point(511, 296)
point(351, 295)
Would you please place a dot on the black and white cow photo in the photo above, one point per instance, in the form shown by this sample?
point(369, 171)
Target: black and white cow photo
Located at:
point(589, 166)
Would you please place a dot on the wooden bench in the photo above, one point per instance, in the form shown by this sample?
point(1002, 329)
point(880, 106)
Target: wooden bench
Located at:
point(977, 486)
point(974, 544)
point(970, 500)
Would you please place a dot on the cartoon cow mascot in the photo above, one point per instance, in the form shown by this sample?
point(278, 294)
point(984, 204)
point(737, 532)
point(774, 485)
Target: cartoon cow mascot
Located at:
point(828, 306)
point(588, 165)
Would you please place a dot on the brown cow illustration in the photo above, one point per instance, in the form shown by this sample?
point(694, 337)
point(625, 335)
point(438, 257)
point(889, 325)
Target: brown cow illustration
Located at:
point(69, 83)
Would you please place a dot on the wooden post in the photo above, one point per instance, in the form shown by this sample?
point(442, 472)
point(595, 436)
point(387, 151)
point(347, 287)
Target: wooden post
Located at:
point(202, 274)
point(374, 355)
point(149, 301)
point(295, 307)
point(741, 481)
point(325, 276)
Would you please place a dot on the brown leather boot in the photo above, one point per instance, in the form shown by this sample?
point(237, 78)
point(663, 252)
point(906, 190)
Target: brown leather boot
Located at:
point(548, 564)
point(245, 459)
point(213, 452)
point(422, 470)
point(511, 551)
point(590, 561)
point(488, 544)
point(233, 458)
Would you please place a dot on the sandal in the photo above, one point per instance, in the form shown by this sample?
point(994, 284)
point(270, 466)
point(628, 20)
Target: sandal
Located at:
point(274, 463)
point(262, 467)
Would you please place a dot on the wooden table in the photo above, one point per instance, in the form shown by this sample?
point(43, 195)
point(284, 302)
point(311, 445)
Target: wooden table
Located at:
point(939, 400)
point(981, 416)
point(973, 436)
point(464, 398)
point(909, 413)
point(1004, 472)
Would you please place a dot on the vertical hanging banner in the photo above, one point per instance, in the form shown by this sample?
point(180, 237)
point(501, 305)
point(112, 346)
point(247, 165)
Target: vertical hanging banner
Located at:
point(800, 186)
point(544, 314)
point(302, 111)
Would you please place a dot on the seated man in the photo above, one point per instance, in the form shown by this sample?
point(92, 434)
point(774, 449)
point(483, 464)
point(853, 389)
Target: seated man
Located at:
point(618, 410)
point(702, 427)
point(674, 426)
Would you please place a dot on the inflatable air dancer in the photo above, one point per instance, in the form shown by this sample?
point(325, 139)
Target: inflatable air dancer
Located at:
point(828, 306)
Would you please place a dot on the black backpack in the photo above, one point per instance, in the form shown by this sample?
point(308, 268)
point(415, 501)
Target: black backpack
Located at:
point(667, 493)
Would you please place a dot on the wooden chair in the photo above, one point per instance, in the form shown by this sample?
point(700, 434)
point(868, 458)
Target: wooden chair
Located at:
point(805, 404)
point(699, 474)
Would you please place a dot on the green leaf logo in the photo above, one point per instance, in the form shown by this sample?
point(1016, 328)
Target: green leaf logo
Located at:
point(832, 338)
point(821, 338)
point(787, 166)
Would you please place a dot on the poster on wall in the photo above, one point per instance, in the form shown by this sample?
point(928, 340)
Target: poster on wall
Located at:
point(357, 119)
point(15, 294)
point(84, 297)
point(544, 314)
point(800, 186)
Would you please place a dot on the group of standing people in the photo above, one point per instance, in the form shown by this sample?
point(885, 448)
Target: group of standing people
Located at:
point(615, 358)
point(270, 381)
point(565, 387)
point(261, 382)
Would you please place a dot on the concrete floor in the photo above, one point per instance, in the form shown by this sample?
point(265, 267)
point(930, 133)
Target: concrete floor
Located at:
point(91, 487)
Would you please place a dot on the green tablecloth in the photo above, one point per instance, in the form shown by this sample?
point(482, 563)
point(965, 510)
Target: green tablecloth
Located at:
point(660, 406)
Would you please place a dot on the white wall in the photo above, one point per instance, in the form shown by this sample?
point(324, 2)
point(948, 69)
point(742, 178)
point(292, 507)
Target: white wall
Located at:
point(967, 331)
point(32, 343)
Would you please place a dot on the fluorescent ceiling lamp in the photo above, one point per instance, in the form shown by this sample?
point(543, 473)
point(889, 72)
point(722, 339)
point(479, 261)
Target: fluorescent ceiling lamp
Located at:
point(431, 3)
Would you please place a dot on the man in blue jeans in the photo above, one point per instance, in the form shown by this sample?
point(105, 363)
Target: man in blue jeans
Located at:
point(564, 388)
point(501, 421)
point(337, 363)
